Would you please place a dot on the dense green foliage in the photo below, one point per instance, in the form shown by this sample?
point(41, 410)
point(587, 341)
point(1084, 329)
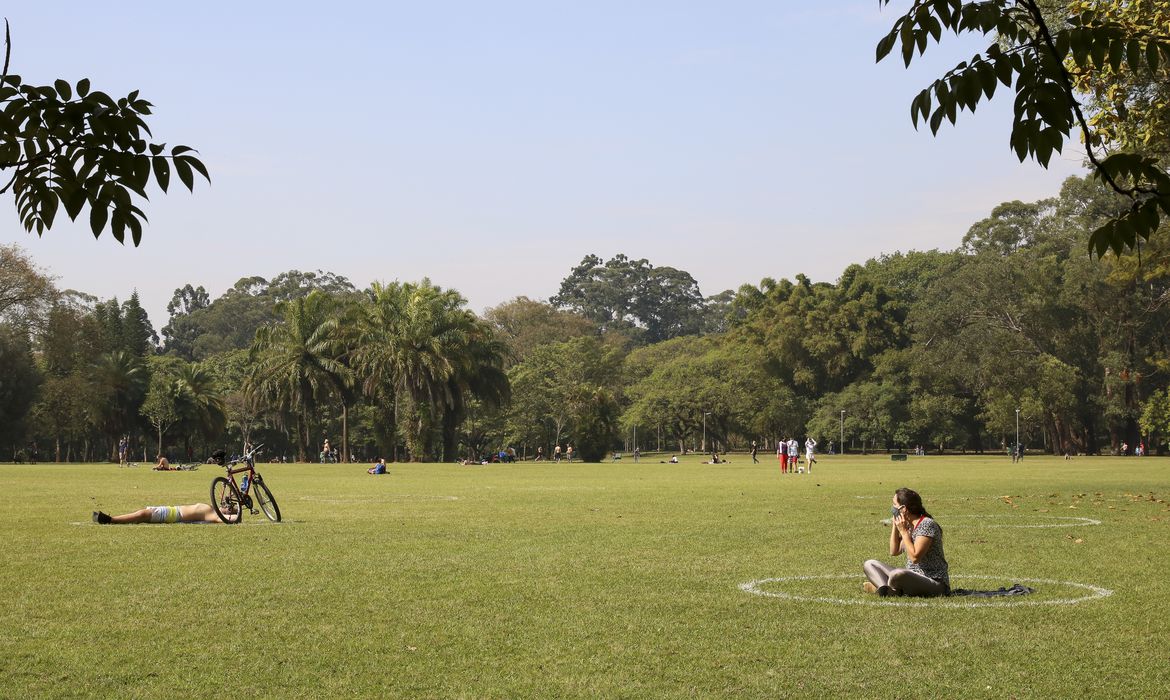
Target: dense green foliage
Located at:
point(585, 581)
point(935, 349)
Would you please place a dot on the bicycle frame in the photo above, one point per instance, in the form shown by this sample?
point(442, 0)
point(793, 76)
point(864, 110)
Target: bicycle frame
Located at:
point(249, 466)
point(228, 497)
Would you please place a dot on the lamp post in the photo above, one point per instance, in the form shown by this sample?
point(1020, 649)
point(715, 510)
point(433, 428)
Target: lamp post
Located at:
point(704, 446)
point(842, 431)
point(1017, 454)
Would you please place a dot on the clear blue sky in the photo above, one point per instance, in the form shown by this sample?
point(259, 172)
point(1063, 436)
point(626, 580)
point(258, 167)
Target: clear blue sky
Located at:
point(490, 146)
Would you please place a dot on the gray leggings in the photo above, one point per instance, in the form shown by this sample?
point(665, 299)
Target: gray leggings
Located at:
point(902, 581)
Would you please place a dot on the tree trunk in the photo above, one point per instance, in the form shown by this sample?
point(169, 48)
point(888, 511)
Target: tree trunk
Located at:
point(394, 422)
point(302, 437)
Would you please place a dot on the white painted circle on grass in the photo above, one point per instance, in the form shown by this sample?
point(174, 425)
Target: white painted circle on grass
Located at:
point(376, 499)
point(1091, 592)
point(1064, 520)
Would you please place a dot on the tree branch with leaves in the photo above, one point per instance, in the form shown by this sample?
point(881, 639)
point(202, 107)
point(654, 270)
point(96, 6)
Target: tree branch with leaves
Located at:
point(68, 146)
point(1047, 66)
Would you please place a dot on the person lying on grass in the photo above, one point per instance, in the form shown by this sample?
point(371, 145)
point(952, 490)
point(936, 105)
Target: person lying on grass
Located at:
point(378, 468)
point(913, 532)
point(194, 513)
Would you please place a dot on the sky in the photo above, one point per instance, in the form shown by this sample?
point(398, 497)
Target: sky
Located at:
point(491, 146)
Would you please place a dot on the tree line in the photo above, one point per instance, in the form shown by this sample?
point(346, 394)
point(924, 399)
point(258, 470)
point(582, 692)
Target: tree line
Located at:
point(940, 349)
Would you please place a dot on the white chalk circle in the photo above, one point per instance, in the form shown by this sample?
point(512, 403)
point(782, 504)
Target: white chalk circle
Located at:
point(376, 499)
point(1092, 592)
point(1063, 520)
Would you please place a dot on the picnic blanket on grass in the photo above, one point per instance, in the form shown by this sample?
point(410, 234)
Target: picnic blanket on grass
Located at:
point(1012, 590)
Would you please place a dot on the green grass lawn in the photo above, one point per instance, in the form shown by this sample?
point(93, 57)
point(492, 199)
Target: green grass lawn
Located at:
point(585, 580)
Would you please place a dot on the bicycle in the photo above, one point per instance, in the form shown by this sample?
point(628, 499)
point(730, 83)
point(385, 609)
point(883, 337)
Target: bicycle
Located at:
point(229, 499)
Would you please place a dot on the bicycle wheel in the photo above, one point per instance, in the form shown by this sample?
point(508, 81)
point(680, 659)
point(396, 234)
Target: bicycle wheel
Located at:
point(265, 500)
point(225, 499)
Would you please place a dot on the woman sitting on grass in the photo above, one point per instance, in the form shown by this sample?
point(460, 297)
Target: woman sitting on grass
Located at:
point(914, 532)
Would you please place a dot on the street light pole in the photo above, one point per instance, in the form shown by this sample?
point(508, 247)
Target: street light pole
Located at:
point(1017, 434)
point(842, 447)
point(704, 448)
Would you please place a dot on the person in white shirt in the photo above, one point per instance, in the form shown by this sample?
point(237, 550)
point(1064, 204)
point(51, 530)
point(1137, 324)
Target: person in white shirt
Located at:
point(809, 458)
point(793, 453)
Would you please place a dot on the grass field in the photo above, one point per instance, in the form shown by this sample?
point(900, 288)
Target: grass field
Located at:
point(585, 580)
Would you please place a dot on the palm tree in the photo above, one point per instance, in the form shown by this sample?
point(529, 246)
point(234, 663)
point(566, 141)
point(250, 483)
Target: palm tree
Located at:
point(199, 403)
point(296, 362)
point(416, 342)
point(479, 373)
point(123, 378)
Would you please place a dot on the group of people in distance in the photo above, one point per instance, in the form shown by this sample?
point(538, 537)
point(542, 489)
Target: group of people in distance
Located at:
point(788, 452)
point(557, 454)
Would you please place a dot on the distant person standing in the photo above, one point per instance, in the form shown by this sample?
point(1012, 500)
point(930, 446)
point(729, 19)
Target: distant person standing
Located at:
point(637, 454)
point(539, 453)
point(793, 453)
point(569, 453)
point(755, 448)
point(557, 454)
point(809, 456)
point(782, 455)
point(123, 446)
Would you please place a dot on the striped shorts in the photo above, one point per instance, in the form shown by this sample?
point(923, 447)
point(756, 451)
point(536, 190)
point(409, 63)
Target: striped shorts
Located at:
point(165, 514)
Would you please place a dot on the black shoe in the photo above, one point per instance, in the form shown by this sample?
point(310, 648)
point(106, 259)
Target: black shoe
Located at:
point(101, 518)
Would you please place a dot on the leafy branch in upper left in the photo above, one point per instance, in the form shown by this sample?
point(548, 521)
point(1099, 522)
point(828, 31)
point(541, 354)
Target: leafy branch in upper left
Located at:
point(66, 146)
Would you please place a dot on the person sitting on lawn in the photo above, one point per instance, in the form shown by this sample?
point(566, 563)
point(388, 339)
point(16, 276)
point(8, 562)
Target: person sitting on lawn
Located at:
point(162, 465)
point(194, 513)
point(378, 468)
point(914, 532)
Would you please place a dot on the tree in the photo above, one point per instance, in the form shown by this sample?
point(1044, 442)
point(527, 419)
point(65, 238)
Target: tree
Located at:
point(632, 296)
point(525, 324)
point(571, 388)
point(69, 146)
point(199, 403)
point(180, 332)
point(138, 335)
point(418, 349)
point(1155, 420)
point(1049, 66)
point(295, 361)
point(159, 407)
point(19, 383)
point(122, 379)
point(478, 378)
point(199, 328)
point(722, 377)
point(26, 292)
point(1128, 109)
